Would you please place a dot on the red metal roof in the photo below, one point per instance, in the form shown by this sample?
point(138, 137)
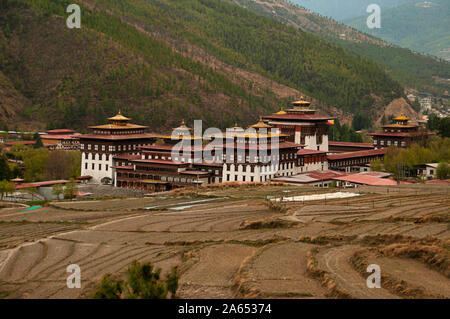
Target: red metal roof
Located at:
point(400, 134)
point(334, 157)
point(124, 167)
point(299, 117)
point(119, 137)
point(20, 142)
point(41, 184)
point(59, 137)
point(60, 131)
point(195, 173)
point(367, 180)
point(157, 161)
point(166, 147)
point(309, 152)
point(256, 146)
point(127, 156)
point(84, 177)
point(351, 144)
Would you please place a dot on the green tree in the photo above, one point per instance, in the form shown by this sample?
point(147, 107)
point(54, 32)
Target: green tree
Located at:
point(57, 190)
point(143, 282)
point(5, 171)
point(6, 188)
point(443, 170)
point(376, 165)
point(70, 189)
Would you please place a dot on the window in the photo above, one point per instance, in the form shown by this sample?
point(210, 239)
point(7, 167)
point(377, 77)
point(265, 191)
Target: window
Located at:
point(107, 166)
point(82, 146)
point(103, 147)
point(100, 157)
point(99, 167)
point(89, 146)
point(93, 166)
point(93, 156)
point(86, 155)
point(96, 147)
point(85, 165)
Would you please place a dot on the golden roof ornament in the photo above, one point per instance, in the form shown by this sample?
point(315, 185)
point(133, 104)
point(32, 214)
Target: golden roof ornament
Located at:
point(119, 117)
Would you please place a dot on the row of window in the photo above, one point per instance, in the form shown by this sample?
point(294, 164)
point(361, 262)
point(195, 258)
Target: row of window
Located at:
point(389, 142)
point(265, 168)
point(99, 167)
point(111, 148)
point(93, 156)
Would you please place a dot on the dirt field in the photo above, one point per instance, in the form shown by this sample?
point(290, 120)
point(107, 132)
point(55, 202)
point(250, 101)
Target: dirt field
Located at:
point(236, 242)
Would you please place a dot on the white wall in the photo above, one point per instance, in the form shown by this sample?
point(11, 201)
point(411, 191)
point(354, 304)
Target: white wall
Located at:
point(96, 174)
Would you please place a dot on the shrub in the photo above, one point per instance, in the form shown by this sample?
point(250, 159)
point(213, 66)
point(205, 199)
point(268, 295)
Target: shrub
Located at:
point(144, 282)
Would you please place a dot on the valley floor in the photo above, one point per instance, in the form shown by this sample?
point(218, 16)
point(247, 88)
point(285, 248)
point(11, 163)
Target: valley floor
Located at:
point(238, 243)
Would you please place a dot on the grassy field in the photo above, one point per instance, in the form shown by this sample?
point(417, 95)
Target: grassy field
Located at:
point(236, 241)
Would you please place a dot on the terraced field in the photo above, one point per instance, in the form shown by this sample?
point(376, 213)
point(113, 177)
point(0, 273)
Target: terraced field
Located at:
point(237, 242)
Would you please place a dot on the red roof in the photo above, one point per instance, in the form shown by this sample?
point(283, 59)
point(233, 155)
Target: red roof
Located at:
point(20, 142)
point(300, 117)
point(60, 131)
point(350, 144)
point(367, 180)
point(166, 147)
point(119, 137)
point(309, 152)
point(256, 146)
point(127, 156)
point(194, 173)
point(124, 167)
point(84, 177)
point(157, 161)
point(41, 184)
point(401, 134)
point(60, 137)
point(348, 155)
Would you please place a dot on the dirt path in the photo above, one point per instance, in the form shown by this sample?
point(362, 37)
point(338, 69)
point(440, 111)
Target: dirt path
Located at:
point(414, 273)
point(336, 261)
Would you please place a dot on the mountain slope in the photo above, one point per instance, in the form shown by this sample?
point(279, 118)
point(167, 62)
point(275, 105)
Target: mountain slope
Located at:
point(163, 60)
point(341, 10)
point(411, 69)
point(423, 27)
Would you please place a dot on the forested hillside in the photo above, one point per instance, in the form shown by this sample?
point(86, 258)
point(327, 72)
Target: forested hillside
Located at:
point(164, 60)
point(346, 9)
point(420, 26)
point(411, 69)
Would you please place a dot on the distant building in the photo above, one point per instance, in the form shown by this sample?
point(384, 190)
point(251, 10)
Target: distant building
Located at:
point(106, 141)
point(62, 139)
point(313, 178)
point(344, 147)
point(9, 145)
point(427, 170)
point(400, 133)
point(355, 161)
point(302, 125)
